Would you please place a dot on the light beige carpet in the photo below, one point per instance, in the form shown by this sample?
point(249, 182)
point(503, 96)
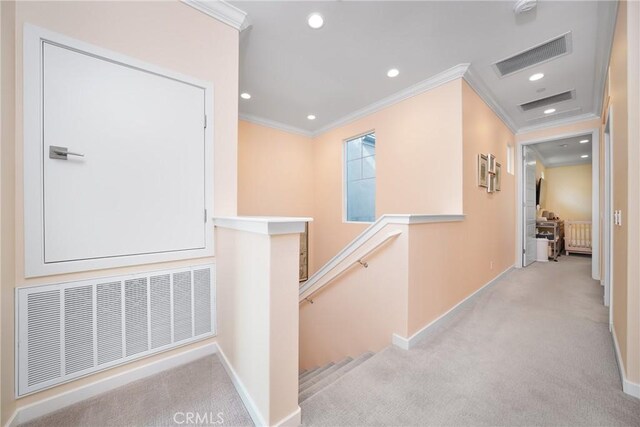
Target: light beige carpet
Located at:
point(166, 399)
point(534, 349)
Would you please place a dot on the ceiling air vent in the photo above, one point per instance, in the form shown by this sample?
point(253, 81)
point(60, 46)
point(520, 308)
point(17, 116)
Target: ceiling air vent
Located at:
point(553, 99)
point(544, 52)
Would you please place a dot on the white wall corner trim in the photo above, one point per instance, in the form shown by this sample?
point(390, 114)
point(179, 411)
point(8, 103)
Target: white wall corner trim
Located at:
point(560, 122)
point(222, 11)
point(51, 404)
point(274, 125)
point(628, 387)
point(251, 406)
point(432, 82)
point(483, 92)
point(263, 224)
point(409, 343)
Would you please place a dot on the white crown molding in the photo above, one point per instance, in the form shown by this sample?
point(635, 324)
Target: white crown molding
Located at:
point(604, 39)
point(483, 92)
point(222, 11)
point(560, 122)
point(274, 125)
point(432, 82)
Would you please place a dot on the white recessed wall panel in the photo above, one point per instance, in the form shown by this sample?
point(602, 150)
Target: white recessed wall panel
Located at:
point(140, 188)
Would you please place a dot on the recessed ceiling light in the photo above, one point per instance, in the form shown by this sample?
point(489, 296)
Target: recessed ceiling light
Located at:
point(550, 110)
point(245, 95)
point(393, 72)
point(311, 117)
point(536, 76)
point(584, 141)
point(315, 21)
point(584, 156)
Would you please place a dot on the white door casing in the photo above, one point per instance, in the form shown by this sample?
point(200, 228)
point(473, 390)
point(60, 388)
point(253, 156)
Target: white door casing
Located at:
point(530, 212)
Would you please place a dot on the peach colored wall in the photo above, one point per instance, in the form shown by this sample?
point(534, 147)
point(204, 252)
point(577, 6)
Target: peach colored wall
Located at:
point(568, 192)
point(633, 292)
point(7, 195)
point(418, 165)
point(361, 309)
point(168, 34)
point(430, 267)
point(624, 75)
point(258, 328)
point(275, 172)
point(283, 190)
point(448, 262)
point(618, 93)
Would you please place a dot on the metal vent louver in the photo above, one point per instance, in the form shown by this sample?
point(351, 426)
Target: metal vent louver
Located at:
point(70, 330)
point(544, 52)
point(549, 100)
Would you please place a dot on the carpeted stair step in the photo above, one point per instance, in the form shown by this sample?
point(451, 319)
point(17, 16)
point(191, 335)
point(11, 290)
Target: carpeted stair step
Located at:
point(306, 374)
point(332, 377)
point(311, 381)
point(318, 371)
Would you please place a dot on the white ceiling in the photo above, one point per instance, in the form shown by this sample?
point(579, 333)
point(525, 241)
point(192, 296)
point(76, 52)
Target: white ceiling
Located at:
point(564, 152)
point(292, 71)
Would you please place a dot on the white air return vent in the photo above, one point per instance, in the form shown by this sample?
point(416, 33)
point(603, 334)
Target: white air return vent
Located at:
point(544, 52)
point(549, 100)
point(69, 330)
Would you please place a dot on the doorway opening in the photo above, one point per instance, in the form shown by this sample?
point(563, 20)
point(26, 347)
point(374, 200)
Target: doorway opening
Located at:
point(558, 199)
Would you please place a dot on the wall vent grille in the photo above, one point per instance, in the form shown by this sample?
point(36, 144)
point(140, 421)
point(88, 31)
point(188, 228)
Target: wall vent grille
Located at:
point(539, 54)
point(70, 330)
point(549, 100)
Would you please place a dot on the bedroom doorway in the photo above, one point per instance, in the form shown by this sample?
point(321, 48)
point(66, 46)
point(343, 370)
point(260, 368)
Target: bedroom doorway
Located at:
point(558, 199)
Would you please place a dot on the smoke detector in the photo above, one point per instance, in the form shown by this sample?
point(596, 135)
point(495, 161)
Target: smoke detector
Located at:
point(523, 6)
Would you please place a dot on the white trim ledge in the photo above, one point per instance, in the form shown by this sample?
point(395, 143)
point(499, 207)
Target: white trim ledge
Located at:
point(628, 387)
point(271, 225)
point(409, 343)
point(43, 407)
point(222, 11)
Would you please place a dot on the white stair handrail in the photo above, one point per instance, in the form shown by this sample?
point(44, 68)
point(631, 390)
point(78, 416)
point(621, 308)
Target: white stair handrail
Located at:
point(365, 236)
point(309, 292)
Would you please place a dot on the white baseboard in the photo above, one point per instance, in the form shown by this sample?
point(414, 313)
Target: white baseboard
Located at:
point(38, 409)
point(251, 406)
point(292, 420)
point(628, 387)
point(408, 343)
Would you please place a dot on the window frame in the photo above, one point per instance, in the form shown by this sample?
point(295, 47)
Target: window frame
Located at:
point(345, 141)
